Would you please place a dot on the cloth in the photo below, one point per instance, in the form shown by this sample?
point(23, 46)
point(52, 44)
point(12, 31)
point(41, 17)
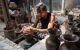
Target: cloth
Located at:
point(12, 12)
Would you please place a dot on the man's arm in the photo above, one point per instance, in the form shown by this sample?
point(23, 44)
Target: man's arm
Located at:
point(36, 21)
point(52, 21)
point(50, 25)
point(32, 29)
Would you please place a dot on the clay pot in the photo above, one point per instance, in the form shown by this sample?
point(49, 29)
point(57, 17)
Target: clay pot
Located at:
point(70, 18)
point(10, 34)
point(29, 38)
point(76, 27)
point(52, 43)
point(69, 42)
point(70, 47)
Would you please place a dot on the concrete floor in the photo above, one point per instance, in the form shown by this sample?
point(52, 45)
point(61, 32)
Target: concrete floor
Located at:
point(2, 26)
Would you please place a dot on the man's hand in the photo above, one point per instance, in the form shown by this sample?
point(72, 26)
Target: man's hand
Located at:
point(26, 30)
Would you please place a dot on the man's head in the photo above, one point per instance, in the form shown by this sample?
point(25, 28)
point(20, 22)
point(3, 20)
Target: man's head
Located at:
point(42, 10)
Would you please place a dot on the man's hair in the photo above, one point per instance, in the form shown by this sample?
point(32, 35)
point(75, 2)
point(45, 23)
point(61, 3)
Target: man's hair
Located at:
point(41, 8)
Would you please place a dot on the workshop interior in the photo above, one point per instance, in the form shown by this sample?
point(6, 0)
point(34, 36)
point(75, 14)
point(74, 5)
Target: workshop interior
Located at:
point(39, 24)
